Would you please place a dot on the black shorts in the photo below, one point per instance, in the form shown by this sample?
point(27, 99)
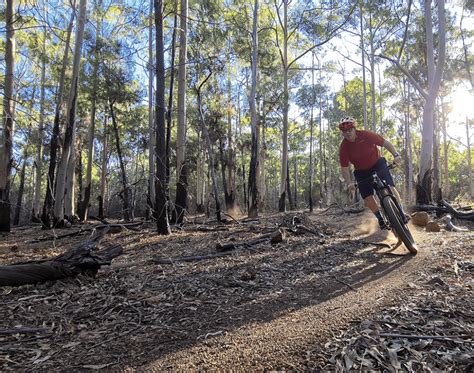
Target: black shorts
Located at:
point(365, 182)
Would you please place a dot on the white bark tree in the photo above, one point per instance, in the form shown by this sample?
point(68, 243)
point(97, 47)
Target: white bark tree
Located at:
point(181, 167)
point(151, 123)
point(6, 131)
point(58, 210)
point(253, 184)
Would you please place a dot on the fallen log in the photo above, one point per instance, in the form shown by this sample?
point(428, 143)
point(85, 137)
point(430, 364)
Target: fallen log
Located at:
point(445, 208)
point(457, 214)
point(447, 220)
point(4, 331)
point(111, 228)
point(204, 228)
point(82, 259)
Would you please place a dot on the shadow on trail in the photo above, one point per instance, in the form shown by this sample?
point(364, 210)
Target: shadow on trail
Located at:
point(220, 298)
point(153, 310)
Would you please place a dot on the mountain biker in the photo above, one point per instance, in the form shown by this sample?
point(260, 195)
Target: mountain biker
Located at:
point(360, 148)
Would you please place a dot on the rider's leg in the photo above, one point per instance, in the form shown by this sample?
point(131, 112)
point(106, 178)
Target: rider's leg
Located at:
point(371, 203)
point(366, 190)
point(374, 207)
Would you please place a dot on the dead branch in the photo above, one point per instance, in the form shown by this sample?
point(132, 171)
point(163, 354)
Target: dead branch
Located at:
point(273, 237)
point(192, 258)
point(445, 208)
point(112, 228)
point(412, 336)
point(83, 258)
point(24, 330)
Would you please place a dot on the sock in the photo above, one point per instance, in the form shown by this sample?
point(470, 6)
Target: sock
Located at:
point(378, 215)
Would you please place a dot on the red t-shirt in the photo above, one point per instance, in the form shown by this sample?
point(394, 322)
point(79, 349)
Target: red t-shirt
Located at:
point(363, 152)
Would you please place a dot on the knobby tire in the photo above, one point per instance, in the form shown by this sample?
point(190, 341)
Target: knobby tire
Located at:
point(398, 225)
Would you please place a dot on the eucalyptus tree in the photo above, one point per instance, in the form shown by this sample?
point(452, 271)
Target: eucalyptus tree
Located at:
point(40, 130)
point(151, 124)
point(47, 215)
point(322, 24)
point(380, 20)
point(122, 95)
point(208, 41)
point(63, 165)
point(308, 98)
point(253, 185)
point(161, 208)
point(434, 74)
point(6, 131)
point(83, 205)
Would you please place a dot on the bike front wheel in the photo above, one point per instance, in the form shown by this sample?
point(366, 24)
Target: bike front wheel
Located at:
point(397, 224)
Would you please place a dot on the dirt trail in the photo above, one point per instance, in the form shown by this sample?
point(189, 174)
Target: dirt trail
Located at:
point(264, 307)
point(293, 340)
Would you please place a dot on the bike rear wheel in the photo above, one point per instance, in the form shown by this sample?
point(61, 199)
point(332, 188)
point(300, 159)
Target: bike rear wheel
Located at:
point(397, 224)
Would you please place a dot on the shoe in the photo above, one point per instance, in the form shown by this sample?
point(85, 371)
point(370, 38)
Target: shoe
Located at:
point(406, 218)
point(383, 225)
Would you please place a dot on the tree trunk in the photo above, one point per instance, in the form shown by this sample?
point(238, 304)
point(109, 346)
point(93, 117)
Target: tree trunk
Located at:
point(469, 160)
point(181, 166)
point(69, 191)
point(295, 168)
point(103, 174)
point(231, 202)
point(446, 186)
point(47, 213)
point(311, 139)
point(39, 136)
point(408, 155)
point(362, 48)
point(284, 152)
point(436, 177)
point(209, 150)
point(6, 133)
point(127, 213)
point(58, 211)
point(169, 112)
point(200, 183)
point(423, 195)
point(21, 188)
point(161, 208)
point(228, 197)
point(288, 188)
point(253, 186)
point(262, 188)
point(242, 155)
point(86, 195)
point(151, 124)
point(373, 111)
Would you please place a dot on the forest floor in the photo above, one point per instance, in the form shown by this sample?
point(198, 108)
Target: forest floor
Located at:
point(332, 296)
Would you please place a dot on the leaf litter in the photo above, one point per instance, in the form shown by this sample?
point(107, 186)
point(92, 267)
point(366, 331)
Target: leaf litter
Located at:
point(138, 310)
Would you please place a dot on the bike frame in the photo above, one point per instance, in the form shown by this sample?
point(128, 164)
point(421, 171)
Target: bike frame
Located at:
point(392, 211)
point(383, 190)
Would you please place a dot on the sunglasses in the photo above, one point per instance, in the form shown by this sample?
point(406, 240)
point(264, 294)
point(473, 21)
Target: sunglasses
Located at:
point(347, 130)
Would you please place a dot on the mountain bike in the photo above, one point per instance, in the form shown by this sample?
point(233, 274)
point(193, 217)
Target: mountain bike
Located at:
point(392, 211)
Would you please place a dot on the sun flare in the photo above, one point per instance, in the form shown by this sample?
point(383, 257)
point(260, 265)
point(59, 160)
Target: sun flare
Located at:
point(462, 103)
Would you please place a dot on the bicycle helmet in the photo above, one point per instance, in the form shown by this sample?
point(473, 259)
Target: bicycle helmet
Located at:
point(346, 123)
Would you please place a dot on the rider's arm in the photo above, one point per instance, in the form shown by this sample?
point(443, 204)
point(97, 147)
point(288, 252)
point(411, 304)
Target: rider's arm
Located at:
point(346, 175)
point(388, 145)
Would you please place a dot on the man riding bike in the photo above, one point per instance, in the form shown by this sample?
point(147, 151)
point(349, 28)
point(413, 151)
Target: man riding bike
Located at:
point(360, 148)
